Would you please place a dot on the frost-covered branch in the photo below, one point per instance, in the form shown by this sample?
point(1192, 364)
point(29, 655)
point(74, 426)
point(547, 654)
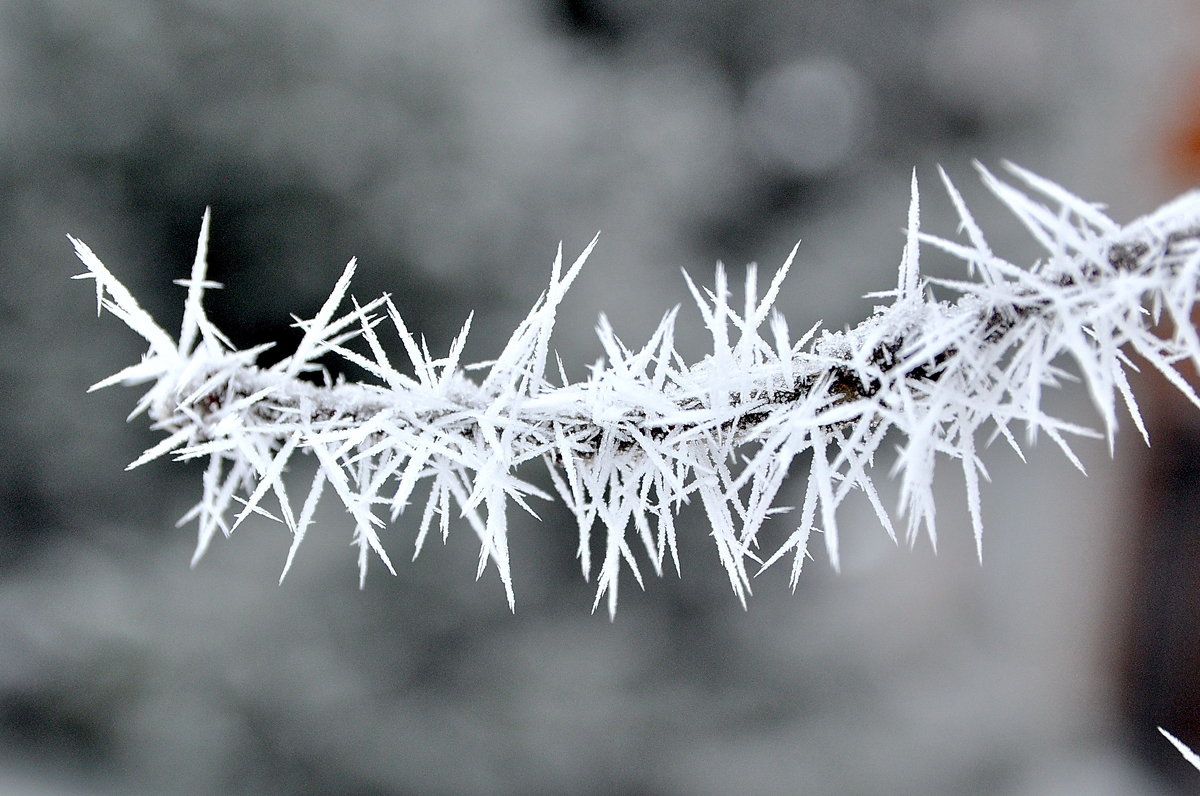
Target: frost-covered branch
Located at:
point(647, 432)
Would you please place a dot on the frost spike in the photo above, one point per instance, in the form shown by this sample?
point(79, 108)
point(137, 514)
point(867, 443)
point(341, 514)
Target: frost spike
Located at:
point(193, 309)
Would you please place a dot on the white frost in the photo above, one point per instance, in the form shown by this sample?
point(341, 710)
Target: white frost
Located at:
point(646, 432)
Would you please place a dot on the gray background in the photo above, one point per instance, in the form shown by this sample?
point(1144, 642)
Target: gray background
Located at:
point(451, 146)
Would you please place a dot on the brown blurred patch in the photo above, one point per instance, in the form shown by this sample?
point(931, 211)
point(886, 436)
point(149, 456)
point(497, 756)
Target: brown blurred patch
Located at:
point(1160, 660)
point(1181, 142)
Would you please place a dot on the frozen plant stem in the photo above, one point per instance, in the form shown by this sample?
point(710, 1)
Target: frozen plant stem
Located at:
point(646, 432)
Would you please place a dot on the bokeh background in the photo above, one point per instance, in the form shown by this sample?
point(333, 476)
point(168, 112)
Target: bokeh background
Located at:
point(450, 146)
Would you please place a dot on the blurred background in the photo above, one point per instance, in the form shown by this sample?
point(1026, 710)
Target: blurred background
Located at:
point(450, 146)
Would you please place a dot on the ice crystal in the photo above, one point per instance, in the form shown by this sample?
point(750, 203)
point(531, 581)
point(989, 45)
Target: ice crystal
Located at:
point(646, 432)
point(1182, 748)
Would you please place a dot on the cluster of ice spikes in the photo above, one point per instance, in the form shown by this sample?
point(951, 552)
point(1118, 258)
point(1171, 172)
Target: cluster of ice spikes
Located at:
point(646, 432)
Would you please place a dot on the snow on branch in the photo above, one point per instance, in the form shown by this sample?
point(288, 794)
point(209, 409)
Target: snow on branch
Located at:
point(647, 432)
